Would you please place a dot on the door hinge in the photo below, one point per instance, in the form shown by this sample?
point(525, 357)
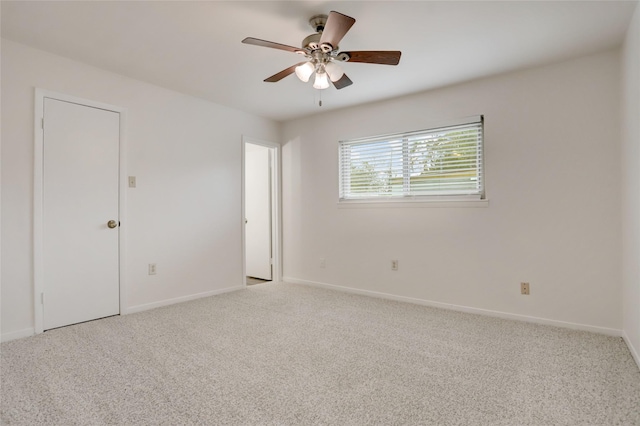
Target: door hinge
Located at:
point(42, 298)
point(271, 261)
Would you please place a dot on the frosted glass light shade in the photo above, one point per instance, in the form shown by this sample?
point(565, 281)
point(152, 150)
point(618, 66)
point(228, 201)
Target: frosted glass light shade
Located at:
point(304, 71)
point(334, 71)
point(322, 81)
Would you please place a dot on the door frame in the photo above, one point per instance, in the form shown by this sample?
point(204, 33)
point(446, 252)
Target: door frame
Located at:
point(38, 202)
point(276, 218)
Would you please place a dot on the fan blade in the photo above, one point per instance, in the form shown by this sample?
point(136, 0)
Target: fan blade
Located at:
point(336, 27)
point(343, 82)
point(265, 43)
point(282, 74)
point(384, 57)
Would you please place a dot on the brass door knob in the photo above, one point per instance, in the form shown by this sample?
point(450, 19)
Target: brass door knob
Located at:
point(112, 224)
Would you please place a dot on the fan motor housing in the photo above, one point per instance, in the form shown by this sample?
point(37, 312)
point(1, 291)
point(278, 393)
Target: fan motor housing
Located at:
point(312, 42)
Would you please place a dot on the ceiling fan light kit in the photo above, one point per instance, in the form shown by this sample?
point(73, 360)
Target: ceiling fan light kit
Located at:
point(334, 71)
point(304, 71)
point(321, 53)
point(321, 82)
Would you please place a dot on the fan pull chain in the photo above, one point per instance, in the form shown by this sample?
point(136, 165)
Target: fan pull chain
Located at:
point(320, 101)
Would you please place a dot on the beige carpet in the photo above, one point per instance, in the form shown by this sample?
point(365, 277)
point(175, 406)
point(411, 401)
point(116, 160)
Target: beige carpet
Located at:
point(291, 355)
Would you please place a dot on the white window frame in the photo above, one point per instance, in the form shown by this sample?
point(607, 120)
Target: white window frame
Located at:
point(477, 199)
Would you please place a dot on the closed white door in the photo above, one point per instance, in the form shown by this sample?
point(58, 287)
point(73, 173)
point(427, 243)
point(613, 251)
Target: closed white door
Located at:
point(258, 211)
point(80, 197)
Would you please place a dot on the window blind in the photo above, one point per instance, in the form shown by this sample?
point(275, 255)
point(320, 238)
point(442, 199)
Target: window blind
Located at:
point(443, 161)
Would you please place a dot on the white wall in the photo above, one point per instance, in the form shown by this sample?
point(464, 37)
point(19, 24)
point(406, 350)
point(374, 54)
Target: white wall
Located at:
point(631, 184)
point(184, 215)
point(552, 149)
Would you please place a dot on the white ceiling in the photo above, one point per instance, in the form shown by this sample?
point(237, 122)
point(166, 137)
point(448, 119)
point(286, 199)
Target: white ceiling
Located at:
point(195, 47)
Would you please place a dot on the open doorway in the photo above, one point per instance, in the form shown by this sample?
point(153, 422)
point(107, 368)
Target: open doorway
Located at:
point(260, 207)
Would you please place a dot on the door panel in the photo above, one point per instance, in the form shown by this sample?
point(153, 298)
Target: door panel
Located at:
point(80, 195)
point(258, 211)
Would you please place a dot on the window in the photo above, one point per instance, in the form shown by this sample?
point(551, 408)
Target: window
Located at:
point(439, 163)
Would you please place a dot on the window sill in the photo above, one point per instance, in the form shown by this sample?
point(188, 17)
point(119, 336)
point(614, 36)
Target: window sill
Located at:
point(375, 204)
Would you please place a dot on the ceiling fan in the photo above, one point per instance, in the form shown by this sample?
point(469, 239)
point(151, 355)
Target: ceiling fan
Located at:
point(321, 53)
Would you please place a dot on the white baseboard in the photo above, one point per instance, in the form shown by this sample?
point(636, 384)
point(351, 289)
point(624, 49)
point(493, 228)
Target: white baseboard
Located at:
point(27, 332)
point(147, 306)
point(632, 349)
point(467, 309)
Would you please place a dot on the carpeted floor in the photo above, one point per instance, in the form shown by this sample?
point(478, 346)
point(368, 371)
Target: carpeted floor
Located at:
point(293, 355)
